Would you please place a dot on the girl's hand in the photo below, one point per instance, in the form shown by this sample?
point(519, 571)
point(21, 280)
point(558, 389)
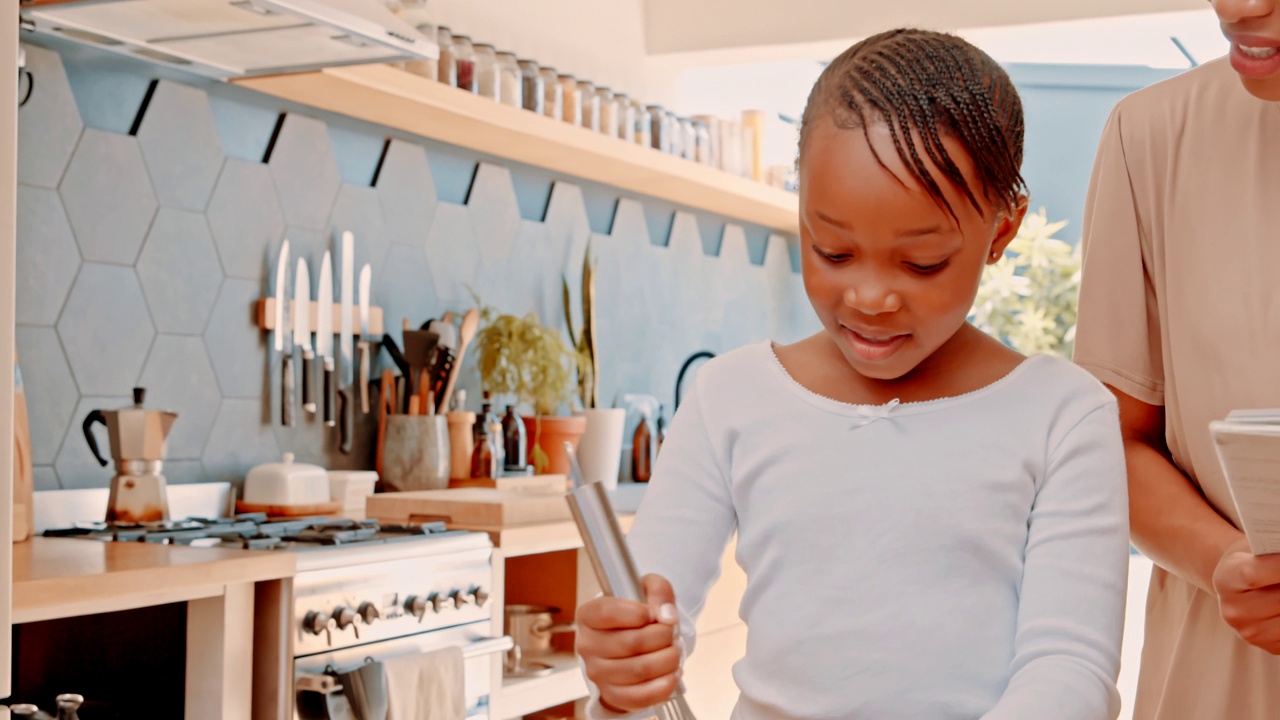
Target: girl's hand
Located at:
point(629, 648)
point(1248, 590)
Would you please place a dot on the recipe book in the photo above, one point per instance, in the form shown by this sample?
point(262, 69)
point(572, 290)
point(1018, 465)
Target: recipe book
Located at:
point(1248, 444)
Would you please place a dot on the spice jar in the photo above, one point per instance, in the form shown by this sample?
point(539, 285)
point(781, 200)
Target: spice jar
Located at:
point(510, 80)
point(711, 124)
point(688, 139)
point(446, 66)
point(571, 99)
point(532, 93)
point(552, 94)
point(643, 133)
point(626, 118)
point(486, 71)
point(420, 66)
point(608, 108)
point(590, 105)
point(659, 137)
point(702, 141)
point(675, 136)
point(464, 58)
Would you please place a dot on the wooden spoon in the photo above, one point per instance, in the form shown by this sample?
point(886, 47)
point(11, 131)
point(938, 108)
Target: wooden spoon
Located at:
point(466, 333)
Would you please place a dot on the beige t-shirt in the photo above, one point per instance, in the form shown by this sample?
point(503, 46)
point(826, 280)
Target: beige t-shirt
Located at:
point(1181, 307)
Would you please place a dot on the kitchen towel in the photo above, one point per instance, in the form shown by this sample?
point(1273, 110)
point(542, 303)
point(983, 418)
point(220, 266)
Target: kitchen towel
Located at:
point(426, 686)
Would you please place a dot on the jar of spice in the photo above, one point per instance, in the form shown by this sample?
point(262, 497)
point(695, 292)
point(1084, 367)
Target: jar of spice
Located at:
point(418, 66)
point(571, 99)
point(446, 66)
point(688, 139)
point(553, 94)
point(659, 137)
point(532, 94)
point(590, 105)
point(464, 58)
point(675, 136)
point(608, 108)
point(486, 71)
point(643, 132)
point(702, 141)
point(626, 118)
point(510, 81)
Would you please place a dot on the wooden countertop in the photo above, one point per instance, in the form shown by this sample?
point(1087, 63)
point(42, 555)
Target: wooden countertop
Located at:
point(64, 577)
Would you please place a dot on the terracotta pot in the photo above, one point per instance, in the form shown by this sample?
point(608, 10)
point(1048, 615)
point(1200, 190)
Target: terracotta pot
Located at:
point(550, 433)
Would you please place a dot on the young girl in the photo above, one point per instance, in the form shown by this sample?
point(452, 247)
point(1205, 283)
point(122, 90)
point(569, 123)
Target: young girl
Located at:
point(932, 526)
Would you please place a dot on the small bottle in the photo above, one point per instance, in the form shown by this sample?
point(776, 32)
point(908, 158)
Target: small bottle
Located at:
point(488, 457)
point(553, 97)
point(514, 442)
point(420, 66)
point(510, 80)
point(482, 422)
point(640, 452)
point(571, 99)
point(644, 125)
point(662, 435)
point(464, 58)
point(607, 105)
point(532, 93)
point(590, 105)
point(447, 65)
point(626, 130)
point(487, 78)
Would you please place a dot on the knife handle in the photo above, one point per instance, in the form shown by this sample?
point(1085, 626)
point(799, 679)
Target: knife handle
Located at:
point(328, 391)
point(286, 390)
point(308, 402)
point(364, 378)
point(346, 410)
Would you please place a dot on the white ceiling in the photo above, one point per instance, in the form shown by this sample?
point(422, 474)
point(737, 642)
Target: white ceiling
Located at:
point(681, 26)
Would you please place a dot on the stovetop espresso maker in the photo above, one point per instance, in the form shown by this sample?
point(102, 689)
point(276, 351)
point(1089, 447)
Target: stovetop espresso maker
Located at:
point(137, 436)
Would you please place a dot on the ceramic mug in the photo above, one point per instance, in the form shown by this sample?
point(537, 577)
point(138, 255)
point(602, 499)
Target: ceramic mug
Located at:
point(415, 455)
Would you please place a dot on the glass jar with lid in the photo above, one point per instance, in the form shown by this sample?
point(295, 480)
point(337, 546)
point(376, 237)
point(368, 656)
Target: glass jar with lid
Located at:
point(571, 99)
point(688, 139)
point(608, 109)
point(626, 118)
point(510, 80)
point(464, 58)
point(702, 141)
point(420, 66)
point(486, 71)
point(447, 65)
point(533, 96)
point(675, 135)
point(659, 134)
point(643, 124)
point(553, 94)
point(590, 105)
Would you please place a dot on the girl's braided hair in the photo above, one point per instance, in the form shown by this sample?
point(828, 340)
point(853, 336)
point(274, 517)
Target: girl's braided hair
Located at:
point(933, 84)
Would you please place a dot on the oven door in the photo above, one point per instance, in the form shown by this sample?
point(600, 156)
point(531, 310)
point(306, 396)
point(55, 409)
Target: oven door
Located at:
point(477, 646)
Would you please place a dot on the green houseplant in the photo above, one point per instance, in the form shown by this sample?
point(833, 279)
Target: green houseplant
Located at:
point(521, 357)
point(1028, 299)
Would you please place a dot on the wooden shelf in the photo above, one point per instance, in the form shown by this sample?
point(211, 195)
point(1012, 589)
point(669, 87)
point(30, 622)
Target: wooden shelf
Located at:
point(397, 99)
point(537, 538)
point(521, 696)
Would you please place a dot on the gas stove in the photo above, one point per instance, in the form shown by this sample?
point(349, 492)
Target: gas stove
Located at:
point(254, 531)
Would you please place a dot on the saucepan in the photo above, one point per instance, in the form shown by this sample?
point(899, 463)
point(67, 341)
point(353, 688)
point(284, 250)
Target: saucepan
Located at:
point(531, 627)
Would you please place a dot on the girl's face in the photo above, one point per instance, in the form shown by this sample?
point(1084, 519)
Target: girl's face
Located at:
point(1253, 27)
point(891, 274)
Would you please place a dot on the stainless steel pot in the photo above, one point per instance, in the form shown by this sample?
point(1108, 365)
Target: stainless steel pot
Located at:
point(532, 627)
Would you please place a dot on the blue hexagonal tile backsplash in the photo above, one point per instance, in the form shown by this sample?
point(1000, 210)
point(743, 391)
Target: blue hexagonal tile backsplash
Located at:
point(141, 259)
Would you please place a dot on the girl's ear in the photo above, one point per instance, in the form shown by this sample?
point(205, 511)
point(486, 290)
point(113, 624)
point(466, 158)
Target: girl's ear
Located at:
point(1007, 226)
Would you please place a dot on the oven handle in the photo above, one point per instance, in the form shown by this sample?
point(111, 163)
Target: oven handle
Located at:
point(481, 645)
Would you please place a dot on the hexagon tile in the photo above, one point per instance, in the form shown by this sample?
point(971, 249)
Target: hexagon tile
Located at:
point(406, 289)
point(179, 378)
point(567, 227)
point(523, 282)
point(50, 391)
point(47, 256)
point(180, 272)
point(495, 212)
point(239, 440)
point(180, 144)
point(76, 466)
point(452, 254)
point(305, 173)
point(407, 193)
point(237, 348)
point(245, 217)
point(358, 211)
point(108, 197)
point(49, 124)
point(733, 247)
point(106, 329)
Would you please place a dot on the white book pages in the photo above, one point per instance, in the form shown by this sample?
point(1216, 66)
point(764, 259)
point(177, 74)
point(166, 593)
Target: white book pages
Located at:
point(1250, 455)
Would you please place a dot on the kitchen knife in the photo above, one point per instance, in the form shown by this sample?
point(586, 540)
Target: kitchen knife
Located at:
point(324, 333)
point(347, 409)
point(302, 329)
point(281, 331)
point(366, 278)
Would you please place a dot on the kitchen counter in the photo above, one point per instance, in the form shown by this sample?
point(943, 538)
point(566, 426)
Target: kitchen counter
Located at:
point(62, 577)
point(238, 610)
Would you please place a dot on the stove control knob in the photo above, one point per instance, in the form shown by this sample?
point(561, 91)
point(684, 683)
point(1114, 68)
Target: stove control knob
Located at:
point(437, 602)
point(318, 623)
point(416, 605)
point(345, 617)
point(479, 596)
point(459, 598)
point(368, 612)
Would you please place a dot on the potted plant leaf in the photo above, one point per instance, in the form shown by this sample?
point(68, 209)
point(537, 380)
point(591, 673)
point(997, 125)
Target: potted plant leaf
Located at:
point(521, 357)
point(600, 450)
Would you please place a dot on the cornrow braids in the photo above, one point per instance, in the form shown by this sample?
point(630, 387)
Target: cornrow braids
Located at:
point(934, 85)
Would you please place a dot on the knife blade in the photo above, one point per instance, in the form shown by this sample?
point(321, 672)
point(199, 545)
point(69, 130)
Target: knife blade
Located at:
point(347, 409)
point(324, 333)
point(302, 329)
point(366, 279)
point(281, 332)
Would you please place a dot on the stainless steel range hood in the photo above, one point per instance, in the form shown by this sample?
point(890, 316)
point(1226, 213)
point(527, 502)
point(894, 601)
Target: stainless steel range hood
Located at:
point(236, 38)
